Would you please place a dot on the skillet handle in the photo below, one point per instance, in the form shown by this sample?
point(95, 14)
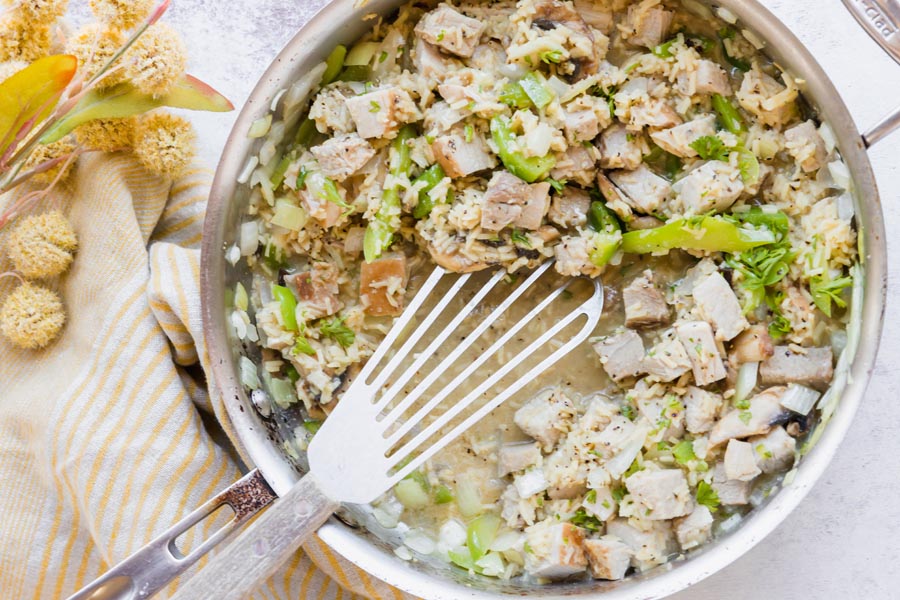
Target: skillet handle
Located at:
point(264, 546)
point(881, 20)
point(155, 565)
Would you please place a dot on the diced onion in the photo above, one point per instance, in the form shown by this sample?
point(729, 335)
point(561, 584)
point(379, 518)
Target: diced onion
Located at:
point(468, 498)
point(558, 85)
point(388, 512)
point(249, 375)
point(619, 463)
point(840, 174)
point(845, 208)
point(755, 40)
point(726, 15)
point(282, 392)
point(828, 137)
point(746, 381)
point(838, 341)
point(530, 483)
point(799, 398)
point(289, 215)
point(491, 564)
point(278, 96)
point(301, 89)
point(233, 255)
point(249, 238)
point(508, 540)
point(410, 494)
point(403, 553)
point(260, 127)
point(417, 541)
point(452, 535)
point(252, 163)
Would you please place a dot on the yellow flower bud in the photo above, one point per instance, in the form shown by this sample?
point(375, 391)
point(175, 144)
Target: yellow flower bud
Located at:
point(156, 61)
point(164, 143)
point(122, 14)
point(42, 245)
point(32, 316)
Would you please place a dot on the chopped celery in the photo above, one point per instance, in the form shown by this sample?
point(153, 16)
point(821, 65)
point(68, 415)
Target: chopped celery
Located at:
point(325, 189)
point(334, 63)
point(241, 300)
point(305, 133)
point(714, 234)
point(356, 73)
point(432, 176)
point(480, 534)
point(749, 166)
point(288, 306)
point(468, 498)
point(289, 215)
point(381, 229)
point(514, 96)
point(362, 54)
point(282, 391)
point(528, 169)
point(411, 494)
point(729, 116)
point(535, 86)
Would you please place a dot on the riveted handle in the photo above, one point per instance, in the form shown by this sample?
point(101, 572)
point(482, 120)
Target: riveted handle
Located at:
point(881, 20)
point(155, 565)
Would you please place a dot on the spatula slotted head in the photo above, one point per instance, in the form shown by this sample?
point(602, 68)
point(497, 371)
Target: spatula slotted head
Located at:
point(463, 346)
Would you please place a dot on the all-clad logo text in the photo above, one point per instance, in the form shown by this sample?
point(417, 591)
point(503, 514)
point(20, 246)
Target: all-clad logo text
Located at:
point(874, 13)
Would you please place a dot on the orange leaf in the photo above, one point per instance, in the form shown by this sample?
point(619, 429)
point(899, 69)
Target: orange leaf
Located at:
point(29, 96)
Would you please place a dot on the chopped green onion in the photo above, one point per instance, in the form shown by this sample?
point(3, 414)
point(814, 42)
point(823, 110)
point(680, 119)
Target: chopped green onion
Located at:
point(729, 116)
point(586, 521)
point(432, 176)
point(551, 57)
point(380, 232)
point(241, 300)
point(312, 426)
point(443, 495)
point(288, 306)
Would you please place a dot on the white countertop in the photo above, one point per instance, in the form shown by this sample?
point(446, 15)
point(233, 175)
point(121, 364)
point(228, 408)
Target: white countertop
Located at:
point(844, 539)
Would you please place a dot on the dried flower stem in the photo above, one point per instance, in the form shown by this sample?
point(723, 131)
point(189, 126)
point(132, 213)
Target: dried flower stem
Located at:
point(12, 274)
point(28, 199)
point(156, 16)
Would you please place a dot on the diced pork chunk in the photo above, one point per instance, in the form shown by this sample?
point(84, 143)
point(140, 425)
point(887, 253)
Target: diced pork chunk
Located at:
point(577, 165)
point(663, 494)
point(546, 417)
point(570, 208)
point(719, 306)
point(619, 149)
point(616, 201)
point(765, 409)
point(645, 305)
point(731, 492)
point(774, 451)
point(556, 550)
point(581, 126)
point(697, 338)
point(459, 158)
point(517, 457)
point(708, 78)
point(650, 25)
point(804, 143)
point(622, 355)
point(429, 61)
point(814, 369)
point(317, 290)
point(566, 480)
point(353, 243)
point(754, 345)
point(667, 360)
point(650, 547)
point(702, 407)
point(713, 186)
point(645, 191)
point(382, 285)
point(329, 110)
point(678, 140)
point(595, 15)
point(343, 155)
point(654, 113)
point(609, 557)
point(694, 529)
point(451, 31)
point(510, 201)
point(379, 114)
point(740, 462)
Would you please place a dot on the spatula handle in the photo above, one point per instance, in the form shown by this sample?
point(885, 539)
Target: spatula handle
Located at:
point(264, 546)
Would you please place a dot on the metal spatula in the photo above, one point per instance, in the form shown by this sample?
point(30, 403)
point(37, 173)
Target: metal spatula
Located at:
point(368, 444)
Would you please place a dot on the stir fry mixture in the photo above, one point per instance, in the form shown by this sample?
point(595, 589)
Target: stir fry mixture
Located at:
point(649, 143)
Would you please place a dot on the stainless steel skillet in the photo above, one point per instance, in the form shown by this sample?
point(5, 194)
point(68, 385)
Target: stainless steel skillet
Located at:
point(276, 471)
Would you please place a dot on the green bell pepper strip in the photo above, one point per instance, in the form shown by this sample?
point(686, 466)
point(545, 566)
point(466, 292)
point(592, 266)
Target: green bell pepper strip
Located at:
point(714, 234)
point(729, 116)
point(605, 247)
point(601, 219)
point(432, 176)
point(334, 63)
point(380, 232)
point(528, 169)
point(288, 304)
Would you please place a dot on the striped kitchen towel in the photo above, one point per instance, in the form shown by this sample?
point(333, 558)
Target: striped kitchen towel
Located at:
point(102, 441)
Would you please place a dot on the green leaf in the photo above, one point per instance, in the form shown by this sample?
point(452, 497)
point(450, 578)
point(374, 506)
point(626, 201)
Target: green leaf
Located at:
point(707, 496)
point(30, 95)
point(336, 330)
point(124, 100)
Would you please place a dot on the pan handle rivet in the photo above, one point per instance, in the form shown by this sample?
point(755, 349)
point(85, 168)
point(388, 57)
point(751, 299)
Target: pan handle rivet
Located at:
point(303, 509)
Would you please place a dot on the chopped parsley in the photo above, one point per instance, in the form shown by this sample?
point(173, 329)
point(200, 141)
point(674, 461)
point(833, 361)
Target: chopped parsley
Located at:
point(589, 522)
point(618, 494)
point(684, 452)
point(591, 496)
point(557, 184)
point(765, 266)
point(302, 346)
point(552, 56)
point(374, 107)
point(628, 412)
point(519, 238)
point(825, 292)
point(707, 496)
point(336, 330)
point(711, 147)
